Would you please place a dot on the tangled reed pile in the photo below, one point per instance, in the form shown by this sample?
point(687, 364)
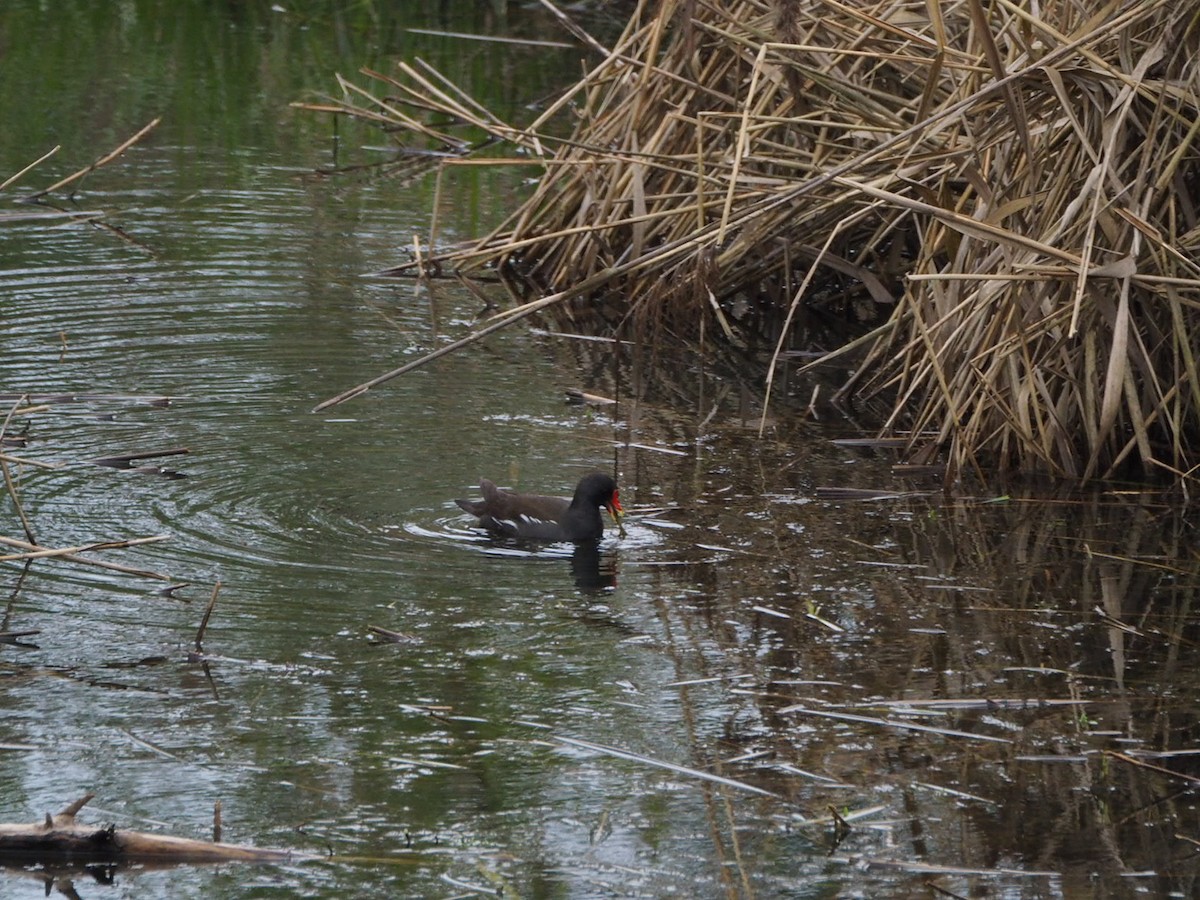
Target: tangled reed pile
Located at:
point(1019, 189)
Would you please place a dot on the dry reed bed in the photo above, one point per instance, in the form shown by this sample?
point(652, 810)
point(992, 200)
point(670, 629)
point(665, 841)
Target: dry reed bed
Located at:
point(1018, 189)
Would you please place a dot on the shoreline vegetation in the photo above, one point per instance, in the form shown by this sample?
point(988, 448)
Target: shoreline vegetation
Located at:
point(1000, 206)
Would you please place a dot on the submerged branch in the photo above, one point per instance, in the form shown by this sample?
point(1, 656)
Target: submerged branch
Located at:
point(61, 837)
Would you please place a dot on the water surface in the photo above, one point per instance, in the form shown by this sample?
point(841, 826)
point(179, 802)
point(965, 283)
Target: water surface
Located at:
point(978, 684)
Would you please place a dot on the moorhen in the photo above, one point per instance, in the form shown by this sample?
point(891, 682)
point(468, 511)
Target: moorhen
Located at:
point(537, 518)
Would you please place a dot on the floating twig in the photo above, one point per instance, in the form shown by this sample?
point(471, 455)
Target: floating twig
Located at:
point(152, 399)
point(37, 552)
point(70, 554)
point(14, 637)
point(849, 816)
point(1162, 770)
point(663, 764)
point(574, 395)
point(489, 38)
point(41, 159)
point(21, 461)
point(961, 703)
point(126, 460)
point(889, 723)
point(576, 29)
point(908, 866)
point(387, 636)
point(943, 891)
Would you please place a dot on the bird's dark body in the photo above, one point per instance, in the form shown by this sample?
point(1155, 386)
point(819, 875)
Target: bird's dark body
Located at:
point(540, 518)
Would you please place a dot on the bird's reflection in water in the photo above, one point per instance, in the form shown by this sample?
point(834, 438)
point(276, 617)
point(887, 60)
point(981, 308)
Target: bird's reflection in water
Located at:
point(593, 571)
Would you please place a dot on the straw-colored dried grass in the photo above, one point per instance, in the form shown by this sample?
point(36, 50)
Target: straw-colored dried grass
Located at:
point(1019, 189)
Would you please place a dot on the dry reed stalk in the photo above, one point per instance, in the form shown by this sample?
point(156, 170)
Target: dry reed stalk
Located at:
point(87, 170)
point(1022, 184)
point(16, 176)
point(33, 551)
point(36, 551)
point(9, 485)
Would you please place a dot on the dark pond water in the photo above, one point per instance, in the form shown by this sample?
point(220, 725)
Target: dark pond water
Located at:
point(998, 693)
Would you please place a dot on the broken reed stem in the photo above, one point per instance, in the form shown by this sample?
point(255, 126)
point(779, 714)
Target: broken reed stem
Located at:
point(1162, 770)
point(34, 463)
point(387, 636)
point(69, 554)
point(841, 827)
point(889, 723)
point(9, 485)
point(151, 399)
point(497, 322)
point(72, 809)
point(575, 28)
point(123, 460)
point(102, 161)
point(12, 179)
point(699, 774)
point(47, 552)
point(212, 604)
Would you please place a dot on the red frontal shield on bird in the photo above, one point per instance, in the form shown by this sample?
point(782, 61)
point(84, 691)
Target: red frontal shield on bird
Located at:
point(614, 507)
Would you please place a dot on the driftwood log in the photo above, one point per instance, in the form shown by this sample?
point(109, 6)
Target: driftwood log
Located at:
point(61, 838)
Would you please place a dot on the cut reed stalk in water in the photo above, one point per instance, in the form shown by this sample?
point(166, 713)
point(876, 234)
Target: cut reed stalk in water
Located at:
point(889, 723)
point(126, 461)
point(36, 552)
point(98, 563)
point(99, 163)
point(661, 764)
point(208, 611)
point(9, 484)
point(1017, 182)
point(16, 176)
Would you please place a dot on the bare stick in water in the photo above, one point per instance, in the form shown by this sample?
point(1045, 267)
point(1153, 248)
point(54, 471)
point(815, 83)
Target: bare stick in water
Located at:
point(8, 481)
point(212, 604)
point(69, 554)
point(102, 161)
point(58, 837)
point(123, 461)
point(41, 159)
